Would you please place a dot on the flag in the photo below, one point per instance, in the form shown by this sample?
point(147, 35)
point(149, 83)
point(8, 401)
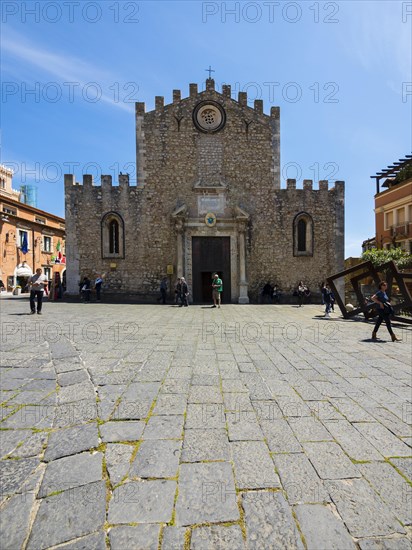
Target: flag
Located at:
point(58, 246)
point(24, 245)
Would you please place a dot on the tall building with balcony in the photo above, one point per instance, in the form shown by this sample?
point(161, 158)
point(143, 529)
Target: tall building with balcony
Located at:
point(393, 205)
point(29, 238)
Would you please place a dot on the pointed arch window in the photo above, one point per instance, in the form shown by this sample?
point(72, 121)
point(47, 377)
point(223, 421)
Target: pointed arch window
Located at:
point(112, 227)
point(303, 235)
point(114, 237)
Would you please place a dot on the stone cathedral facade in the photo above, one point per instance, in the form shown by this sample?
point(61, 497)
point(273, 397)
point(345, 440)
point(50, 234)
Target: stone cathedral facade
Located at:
point(208, 198)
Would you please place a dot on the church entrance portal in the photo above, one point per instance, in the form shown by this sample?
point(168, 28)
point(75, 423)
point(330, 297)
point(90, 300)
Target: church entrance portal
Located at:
point(210, 255)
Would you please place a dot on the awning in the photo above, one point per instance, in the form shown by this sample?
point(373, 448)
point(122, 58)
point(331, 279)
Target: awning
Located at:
point(24, 271)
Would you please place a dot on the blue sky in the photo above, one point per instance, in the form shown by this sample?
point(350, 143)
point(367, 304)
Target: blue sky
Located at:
point(340, 72)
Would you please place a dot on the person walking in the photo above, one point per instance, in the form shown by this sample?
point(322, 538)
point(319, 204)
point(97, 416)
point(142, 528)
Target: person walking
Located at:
point(98, 287)
point(301, 290)
point(178, 290)
point(86, 289)
point(327, 299)
point(385, 310)
point(184, 292)
point(217, 286)
point(37, 285)
point(163, 290)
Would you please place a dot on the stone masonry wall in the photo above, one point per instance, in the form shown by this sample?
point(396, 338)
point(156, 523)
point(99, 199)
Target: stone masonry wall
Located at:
point(177, 163)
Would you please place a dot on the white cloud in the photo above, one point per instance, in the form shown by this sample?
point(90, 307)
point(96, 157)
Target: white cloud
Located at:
point(67, 68)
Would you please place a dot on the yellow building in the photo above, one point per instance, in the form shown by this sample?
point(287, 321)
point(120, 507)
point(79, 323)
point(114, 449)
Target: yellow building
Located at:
point(393, 205)
point(29, 238)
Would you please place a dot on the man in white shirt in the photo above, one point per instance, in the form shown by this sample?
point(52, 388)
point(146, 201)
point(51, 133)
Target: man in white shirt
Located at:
point(37, 283)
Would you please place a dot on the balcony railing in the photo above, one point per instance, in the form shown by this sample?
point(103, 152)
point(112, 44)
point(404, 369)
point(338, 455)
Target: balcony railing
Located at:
point(402, 230)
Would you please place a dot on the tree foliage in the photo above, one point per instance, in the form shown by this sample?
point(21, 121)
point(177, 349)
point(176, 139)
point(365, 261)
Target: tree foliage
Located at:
point(404, 173)
point(379, 256)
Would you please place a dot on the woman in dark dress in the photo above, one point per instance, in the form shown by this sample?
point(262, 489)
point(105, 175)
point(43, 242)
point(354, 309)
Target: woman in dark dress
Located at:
point(384, 311)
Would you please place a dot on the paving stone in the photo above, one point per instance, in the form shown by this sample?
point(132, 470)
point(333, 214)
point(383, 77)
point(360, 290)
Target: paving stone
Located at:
point(394, 543)
point(70, 441)
point(129, 409)
point(164, 427)
point(351, 410)
point(309, 428)
point(184, 373)
point(31, 416)
point(383, 440)
point(351, 441)
point(72, 414)
point(9, 439)
point(362, 510)
point(205, 416)
point(269, 522)
point(205, 380)
point(308, 392)
point(142, 502)
point(293, 407)
point(33, 481)
point(145, 537)
point(330, 461)
point(105, 409)
point(244, 426)
point(77, 392)
point(13, 474)
point(170, 404)
point(73, 377)
point(246, 455)
point(15, 520)
point(71, 471)
point(30, 398)
point(141, 390)
point(112, 432)
point(176, 386)
point(68, 515)
point(47, 385)
point(267, 410)
point(322, 529)
point(234, 386)
point(156, 459)
point(67, 365)
point(205, 394)
point(324, 411)
point(217, 536)
point(32, 446)
point(391, 421)
point(237, 402)
point(394, 490)
point(300, 480)
point(206, 494)
point(95, 541)
point(404, 465)
point(118, 461)
point(173, 538)
point(280, 436)
point(202, 445)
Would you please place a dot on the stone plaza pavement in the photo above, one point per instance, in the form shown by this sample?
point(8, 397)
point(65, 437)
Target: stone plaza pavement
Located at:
point(148, 426)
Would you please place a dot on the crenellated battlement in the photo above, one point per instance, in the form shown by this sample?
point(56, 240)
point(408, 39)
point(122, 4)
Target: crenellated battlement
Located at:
point(106, 181)
point(242, 99)
point(307, 185)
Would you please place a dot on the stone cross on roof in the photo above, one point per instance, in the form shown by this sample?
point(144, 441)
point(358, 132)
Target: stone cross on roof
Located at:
point(210, 71)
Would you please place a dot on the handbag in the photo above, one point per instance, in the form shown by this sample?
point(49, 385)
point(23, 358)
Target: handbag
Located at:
point(388, 309)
